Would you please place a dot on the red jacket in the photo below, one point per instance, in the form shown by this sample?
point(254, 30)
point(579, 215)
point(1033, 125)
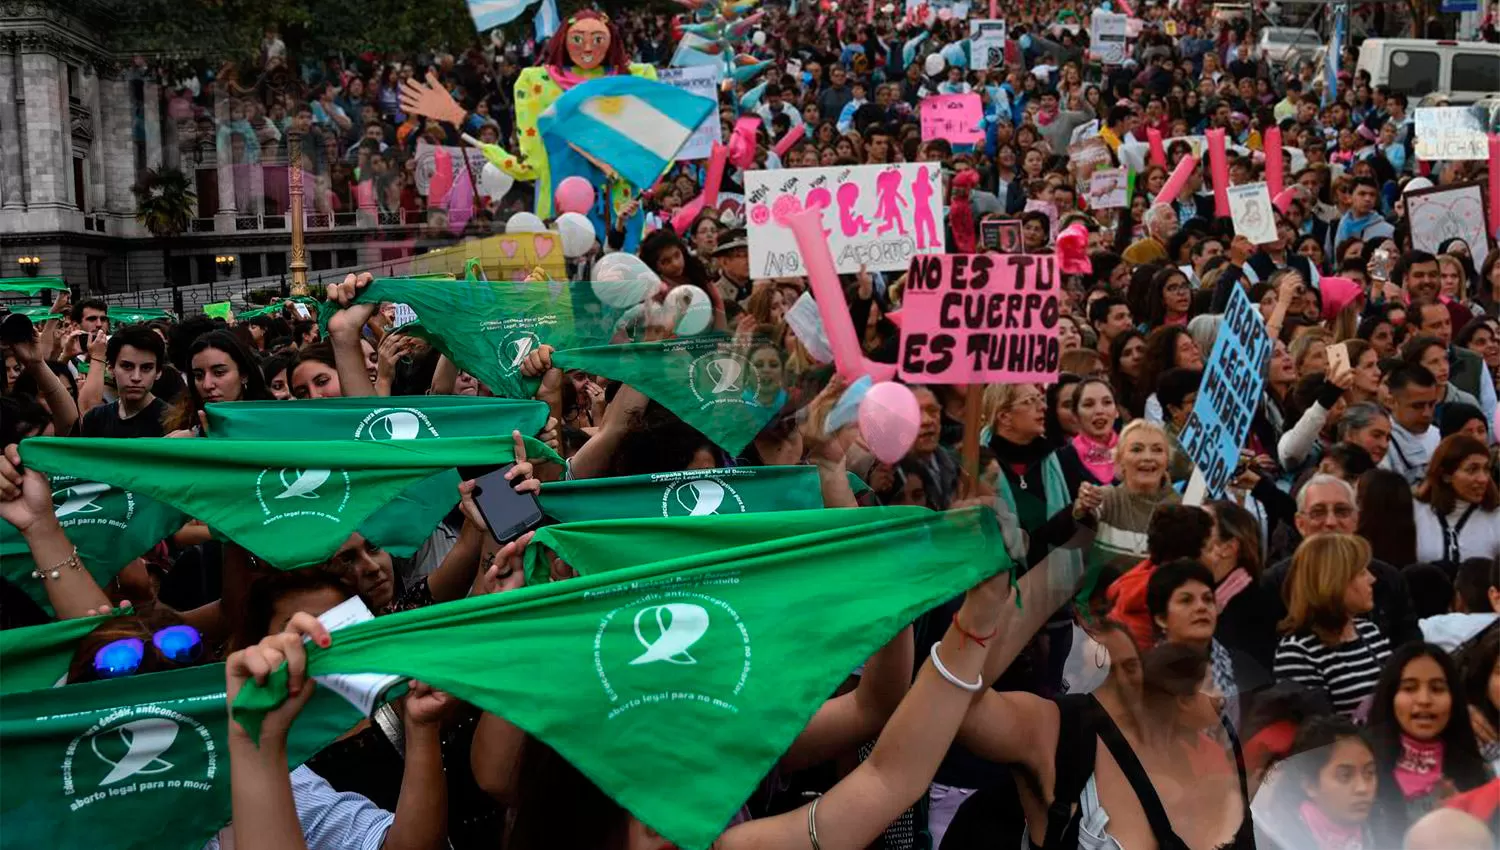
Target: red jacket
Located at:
point(1128, 595)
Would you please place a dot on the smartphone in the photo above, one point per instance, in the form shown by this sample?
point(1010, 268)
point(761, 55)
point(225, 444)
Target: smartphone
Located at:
point(1338, 358)
point(508, 514)
point(301, 310)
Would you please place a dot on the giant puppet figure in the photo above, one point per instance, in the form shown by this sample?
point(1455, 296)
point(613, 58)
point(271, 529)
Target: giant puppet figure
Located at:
point(587, 47)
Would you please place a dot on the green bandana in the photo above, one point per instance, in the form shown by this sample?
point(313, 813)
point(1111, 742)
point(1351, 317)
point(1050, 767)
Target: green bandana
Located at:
point(110, 526)
point(37, 313)
point(488, 327)
point(732, 650)
point(275, 309)
point(291, 503)
point(37, 657)
point(32, 285)
point(404, 524)
point(130, 315)
point(139, 763)
point(708, 382)
point(692, 492)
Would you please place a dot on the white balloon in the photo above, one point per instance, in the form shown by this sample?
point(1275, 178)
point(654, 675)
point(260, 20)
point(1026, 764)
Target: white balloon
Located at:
point(494, 182)
point(577, 234)
point(525, 222)
point(623, 280)
point(935, 64)
point(695, 312)
point(759, 39)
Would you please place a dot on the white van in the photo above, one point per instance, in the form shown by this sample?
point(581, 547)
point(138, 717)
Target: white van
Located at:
point(1464, 71)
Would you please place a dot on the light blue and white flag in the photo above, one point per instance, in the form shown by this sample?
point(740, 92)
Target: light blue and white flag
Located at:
point(488, 14)
point(1335, 53)
point(547, 21)
point(633, 125)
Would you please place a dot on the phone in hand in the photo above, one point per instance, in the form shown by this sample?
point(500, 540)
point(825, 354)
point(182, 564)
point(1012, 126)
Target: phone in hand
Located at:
point(301, 310)
point(508, 514)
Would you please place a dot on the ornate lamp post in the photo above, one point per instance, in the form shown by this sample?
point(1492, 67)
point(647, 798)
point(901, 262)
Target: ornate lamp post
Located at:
point(31, 265)
point(298, 264)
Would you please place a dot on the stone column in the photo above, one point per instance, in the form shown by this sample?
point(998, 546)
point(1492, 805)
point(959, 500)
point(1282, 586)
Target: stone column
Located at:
point(151, 123)
point(224, 167)
point(117, 143)
point(104, 147)
point(45, 114)
point(12, 192)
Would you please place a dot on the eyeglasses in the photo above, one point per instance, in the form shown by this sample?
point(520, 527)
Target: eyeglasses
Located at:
point(1320, 512)
point(123, 657)
point(1029, 401)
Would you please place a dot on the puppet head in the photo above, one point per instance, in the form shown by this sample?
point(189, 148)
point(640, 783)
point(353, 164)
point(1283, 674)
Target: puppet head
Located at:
point(587, 40)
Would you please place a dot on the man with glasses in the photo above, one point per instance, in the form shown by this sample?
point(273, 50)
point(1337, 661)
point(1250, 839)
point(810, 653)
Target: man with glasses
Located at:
point(1326, 504)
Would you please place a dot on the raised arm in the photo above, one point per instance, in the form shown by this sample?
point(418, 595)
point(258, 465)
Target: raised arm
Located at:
point(91, 394)
point(906, 756)
point(344, 331)
point(26, 503)
point(50, 387)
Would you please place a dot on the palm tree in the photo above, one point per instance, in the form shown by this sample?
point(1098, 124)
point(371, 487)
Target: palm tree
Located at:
point(164, 204)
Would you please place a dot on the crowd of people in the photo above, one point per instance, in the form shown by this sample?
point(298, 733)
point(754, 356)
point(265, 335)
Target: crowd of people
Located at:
point(1310, 661)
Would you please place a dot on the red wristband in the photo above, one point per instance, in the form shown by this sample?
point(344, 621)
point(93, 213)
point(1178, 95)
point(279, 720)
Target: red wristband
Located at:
point(981, 640)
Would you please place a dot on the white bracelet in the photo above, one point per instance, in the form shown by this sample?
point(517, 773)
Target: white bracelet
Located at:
point(972, 687)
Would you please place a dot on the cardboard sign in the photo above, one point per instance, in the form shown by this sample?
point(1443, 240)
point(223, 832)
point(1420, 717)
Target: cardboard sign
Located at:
point(877, 215)
point(1109, 189)
point(1107, 33)
point(1232, 382)
point(986, 44)
point(1250, 207)
point(503, 257)
point(1451, 133)
point(1449, 212)
point(980, 319)
point(805, 321)
point(954, 117)
point(1001, 235)
point(702, 80)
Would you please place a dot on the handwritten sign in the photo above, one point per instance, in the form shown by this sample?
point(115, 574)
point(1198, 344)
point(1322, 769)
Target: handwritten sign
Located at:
point(1451, 133)
point(1001, 235)
point(986, 44)
point(980, 319)
point(702, 80)
point(1109, 189)
point(877, 215)
point(1229, 394)
point(954, 117)
point(1107, 37)
point(1250, 208)
point(1449, 212)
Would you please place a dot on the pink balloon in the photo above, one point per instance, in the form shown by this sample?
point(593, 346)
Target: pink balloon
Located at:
point(1158, 153)
point(1494, 183)
point(1274, 163)
point(1218, 164)
point(889, 419)
point(574, 194)
point(1179, 178)
point(791, 138)
point(823, 279)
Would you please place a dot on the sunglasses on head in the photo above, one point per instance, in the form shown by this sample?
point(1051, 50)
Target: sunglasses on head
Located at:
point(123, 657)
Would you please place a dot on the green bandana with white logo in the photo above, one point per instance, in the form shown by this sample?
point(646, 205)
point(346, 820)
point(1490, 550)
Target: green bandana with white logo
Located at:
point(709, 382)
point(138, 763)
point(110, 525)
point(676, 681)
point(488, 327)
point(37, 657)
point(405, 523)
point(291, 503)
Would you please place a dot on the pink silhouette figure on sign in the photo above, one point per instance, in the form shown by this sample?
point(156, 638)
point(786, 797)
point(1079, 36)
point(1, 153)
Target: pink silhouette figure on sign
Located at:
point(888, 203)
point(851, 222)
point(922, 223)
point(819, 199)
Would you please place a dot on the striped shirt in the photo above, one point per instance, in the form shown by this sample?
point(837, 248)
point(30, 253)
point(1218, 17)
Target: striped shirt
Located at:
point(1347, 672)
point(330, 820)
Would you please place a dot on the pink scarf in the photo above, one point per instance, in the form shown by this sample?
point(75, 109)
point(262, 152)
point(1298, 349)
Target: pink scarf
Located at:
point(1420, 767)
point(1044, 119)
point(1098, 458)
point(1230, 587)
point(566, 78)
point(1327, 834)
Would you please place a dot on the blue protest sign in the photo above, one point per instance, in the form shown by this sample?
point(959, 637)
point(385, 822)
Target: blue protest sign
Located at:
point(1232, 382)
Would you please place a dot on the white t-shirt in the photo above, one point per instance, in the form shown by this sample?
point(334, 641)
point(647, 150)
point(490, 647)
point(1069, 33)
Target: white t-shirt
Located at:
point(1479, 536)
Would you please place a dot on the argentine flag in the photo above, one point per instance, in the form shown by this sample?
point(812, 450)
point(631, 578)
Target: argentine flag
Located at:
point(488, 14)
point(633, 125)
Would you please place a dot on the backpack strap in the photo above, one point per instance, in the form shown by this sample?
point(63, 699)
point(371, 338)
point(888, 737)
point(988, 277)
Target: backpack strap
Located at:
point(1073, 765)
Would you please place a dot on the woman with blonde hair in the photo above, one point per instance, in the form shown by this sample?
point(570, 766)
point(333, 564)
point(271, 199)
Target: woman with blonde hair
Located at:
point(1327, 640)
point(1143, 470)
point(1310, 352)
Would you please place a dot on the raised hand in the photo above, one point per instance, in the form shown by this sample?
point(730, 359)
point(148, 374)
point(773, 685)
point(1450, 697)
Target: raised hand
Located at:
point(431, 100)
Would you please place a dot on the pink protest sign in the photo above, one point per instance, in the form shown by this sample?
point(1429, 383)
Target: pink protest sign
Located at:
point(954, 117)
point(980, 319)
